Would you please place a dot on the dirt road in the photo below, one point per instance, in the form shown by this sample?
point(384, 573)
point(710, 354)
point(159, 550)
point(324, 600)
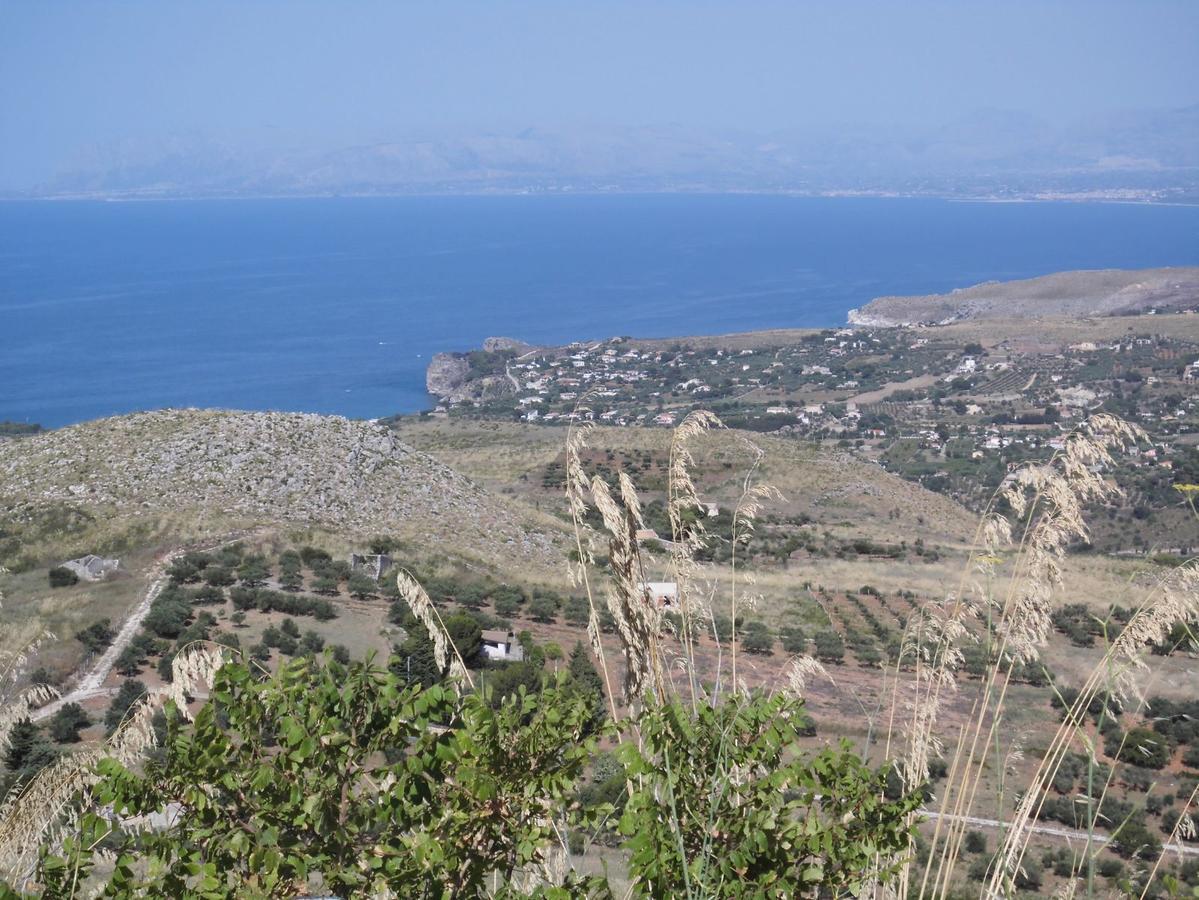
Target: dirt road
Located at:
point(92, 682)
point(1059, 831)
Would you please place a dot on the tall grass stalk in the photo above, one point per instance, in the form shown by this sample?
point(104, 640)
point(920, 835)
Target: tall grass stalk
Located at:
point(1047, 503)
point(579, 571)
point(18, 646)
point(1025, 531)
point(686, 540)
point(47, 808)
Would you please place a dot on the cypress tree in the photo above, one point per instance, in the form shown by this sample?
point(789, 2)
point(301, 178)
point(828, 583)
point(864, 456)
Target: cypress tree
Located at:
point(587, 680)
point(22, 741)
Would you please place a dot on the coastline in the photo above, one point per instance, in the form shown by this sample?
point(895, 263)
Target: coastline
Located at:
point(707, 191)
point(337, 307)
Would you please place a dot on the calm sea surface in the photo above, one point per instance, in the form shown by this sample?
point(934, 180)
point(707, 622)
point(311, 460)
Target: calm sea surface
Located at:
point(336, 305)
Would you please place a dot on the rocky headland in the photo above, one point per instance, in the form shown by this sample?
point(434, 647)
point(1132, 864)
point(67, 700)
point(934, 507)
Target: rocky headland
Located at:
point(1100, 292)
point(476, 376)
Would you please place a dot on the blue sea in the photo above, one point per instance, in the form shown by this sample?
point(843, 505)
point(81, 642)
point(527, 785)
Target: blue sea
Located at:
point(336, 305)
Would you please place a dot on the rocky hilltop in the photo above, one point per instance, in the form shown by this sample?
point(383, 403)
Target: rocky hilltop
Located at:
point(294, 468)
point(1101, 292)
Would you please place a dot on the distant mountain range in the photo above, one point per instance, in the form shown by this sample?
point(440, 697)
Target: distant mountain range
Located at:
point(1136, 155)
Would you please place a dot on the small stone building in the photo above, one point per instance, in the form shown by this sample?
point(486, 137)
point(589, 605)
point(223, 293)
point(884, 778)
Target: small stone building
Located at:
point(373, 565)
point(92, 567)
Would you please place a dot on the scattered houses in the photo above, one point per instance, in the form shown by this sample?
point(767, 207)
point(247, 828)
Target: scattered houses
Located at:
point(871, 389)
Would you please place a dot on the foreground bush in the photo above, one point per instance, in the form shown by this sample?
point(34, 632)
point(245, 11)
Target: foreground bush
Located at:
point(723, 805)
point(343, 779)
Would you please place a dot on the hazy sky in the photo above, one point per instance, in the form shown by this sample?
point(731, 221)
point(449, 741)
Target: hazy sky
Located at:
point(316, 75)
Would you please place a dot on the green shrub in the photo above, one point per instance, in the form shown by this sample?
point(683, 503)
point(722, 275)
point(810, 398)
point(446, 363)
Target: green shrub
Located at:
point(1133, 839)
point(543, 609)
point(96, 636)
point(1139, 747)
point(61, 576)
point(67, 722)
point(129, 693)
point(219, 576)
point(789, 828)
point(756, 638)
point(793, 640)
point(349, 766)
point(1110, 867)
point(506, 607)
point(362, 587)
point(830, 648)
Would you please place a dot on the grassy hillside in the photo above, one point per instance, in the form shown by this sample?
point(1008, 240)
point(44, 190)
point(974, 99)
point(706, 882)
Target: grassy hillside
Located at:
point(840, 568)
point(825, 484)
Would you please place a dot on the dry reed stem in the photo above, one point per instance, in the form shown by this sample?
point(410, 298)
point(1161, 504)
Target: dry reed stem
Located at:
point(681, 495)
point(800, 670)
point(444, 652)
point(579, 573)
point(47, 808)
point(637, 618)
point(1183, 830)
point(749, 504)
point(21, 707)
point(1049, 499)
point(1166, 605)
point(17, 647)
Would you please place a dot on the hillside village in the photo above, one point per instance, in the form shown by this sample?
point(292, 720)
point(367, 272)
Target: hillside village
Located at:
point(954, 409)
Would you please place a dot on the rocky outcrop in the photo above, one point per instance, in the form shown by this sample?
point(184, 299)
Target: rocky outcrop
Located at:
point(268, 467)
point(447, 375)
point(1102, 292)
point(462, 377)
point(497, 344)
point(862, 319)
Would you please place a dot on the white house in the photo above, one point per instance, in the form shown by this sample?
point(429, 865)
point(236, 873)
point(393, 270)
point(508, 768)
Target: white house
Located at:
point(373, 565)
point(502, 645)
point(664, 594)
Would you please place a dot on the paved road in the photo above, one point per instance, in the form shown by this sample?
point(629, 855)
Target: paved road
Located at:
point(1057, 831)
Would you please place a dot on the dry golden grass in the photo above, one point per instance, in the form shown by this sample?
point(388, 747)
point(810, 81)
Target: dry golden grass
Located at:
point(1003, 596)
point(830, 485)
point(64, 611)
point(1062, 331)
